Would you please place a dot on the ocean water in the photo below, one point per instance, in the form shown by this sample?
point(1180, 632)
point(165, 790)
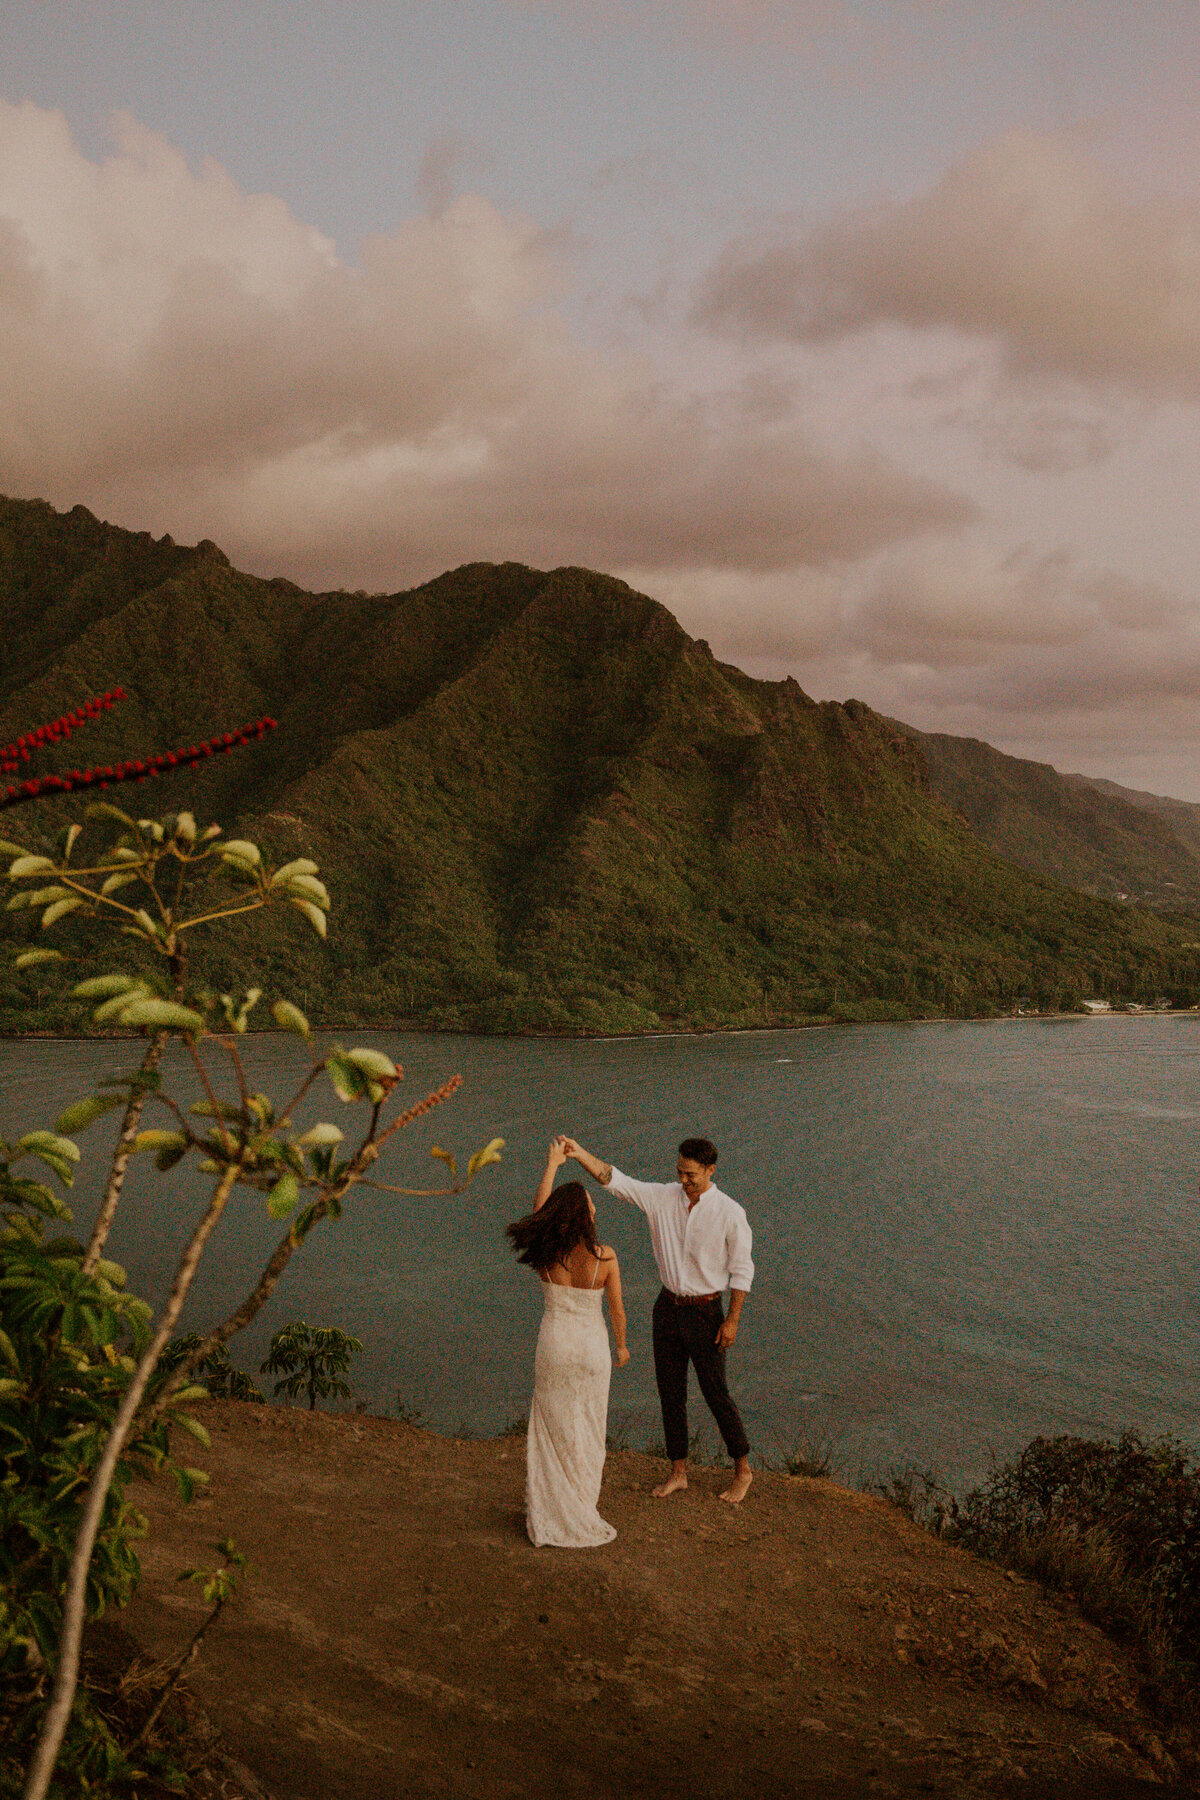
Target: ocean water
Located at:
point(965, 1233)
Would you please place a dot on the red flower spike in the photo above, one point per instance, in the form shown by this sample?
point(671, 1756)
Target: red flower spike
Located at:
point(132, 770)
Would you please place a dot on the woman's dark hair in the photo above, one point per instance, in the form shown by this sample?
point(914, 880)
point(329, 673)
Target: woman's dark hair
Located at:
point(699, 1150)
point(549, 1235)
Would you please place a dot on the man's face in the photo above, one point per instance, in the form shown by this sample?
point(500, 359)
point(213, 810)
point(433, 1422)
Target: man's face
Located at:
point(694, 1177)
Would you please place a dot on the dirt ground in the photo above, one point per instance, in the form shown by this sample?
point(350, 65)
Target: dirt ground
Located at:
point(399, 1636)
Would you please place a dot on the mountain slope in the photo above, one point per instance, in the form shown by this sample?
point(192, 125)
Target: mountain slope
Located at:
point(1181, 816)
point(1088, 834)
point(538, 803)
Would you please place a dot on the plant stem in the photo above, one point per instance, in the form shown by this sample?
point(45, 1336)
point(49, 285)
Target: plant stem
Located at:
point(121, 1155)
point(67, 1672)
point(189, 1656)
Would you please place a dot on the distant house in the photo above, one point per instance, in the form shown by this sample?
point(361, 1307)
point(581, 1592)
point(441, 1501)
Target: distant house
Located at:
point(1096, 1006)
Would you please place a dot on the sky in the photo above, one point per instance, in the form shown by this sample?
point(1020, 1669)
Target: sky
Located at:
point(864, 334)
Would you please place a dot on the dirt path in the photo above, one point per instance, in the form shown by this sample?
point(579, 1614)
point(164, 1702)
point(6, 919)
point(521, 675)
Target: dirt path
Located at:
point(400, 1636)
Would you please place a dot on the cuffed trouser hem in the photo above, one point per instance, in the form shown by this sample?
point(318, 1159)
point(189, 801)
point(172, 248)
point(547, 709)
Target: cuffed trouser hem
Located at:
point(684, 1334)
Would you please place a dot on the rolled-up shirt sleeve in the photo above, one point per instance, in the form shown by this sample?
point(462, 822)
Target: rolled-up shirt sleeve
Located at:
point(647, 1194)
point(738, 1244)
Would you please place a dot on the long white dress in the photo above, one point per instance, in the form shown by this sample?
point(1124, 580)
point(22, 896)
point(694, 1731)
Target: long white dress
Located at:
point(564, 1457)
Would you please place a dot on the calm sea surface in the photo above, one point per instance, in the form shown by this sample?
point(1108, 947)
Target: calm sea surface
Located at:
point(965, 1233)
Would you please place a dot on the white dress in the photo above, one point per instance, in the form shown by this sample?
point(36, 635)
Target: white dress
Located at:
point(564, 1457)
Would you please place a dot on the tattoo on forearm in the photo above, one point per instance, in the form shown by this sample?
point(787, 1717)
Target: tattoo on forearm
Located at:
point(604, 1174)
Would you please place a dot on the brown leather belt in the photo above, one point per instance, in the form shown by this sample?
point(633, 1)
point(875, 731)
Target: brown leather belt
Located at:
point(692, 1299)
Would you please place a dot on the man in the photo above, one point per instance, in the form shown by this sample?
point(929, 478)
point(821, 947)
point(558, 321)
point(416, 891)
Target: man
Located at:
point(701, 1241)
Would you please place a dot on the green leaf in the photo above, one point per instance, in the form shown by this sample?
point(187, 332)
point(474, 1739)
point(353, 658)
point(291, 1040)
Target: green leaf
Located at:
point(193, 1427)
point(445, 1156)
point(38, 1142)
point(313, 914)
point(284, 1197)
point(121, 879)
point(310, 888)
point(373, 1062)
point(151, 828)
point(242, 853)
point(182, 1396)
point(60, 909)
point(317, 1135)
point(30, 865)
point(29, 959)
point(8, 848)
point(163, 1013)
point(169, 1155)
point(112, 1009)
point(97, 986)
point(159, 1140)
point(85, 1112)
point(146, 922)
point(349, 1081)
point(69, 839)
point(303, 865)
point(185, 827)
point(290, 1018)
point(489, 1154)
point(204, 1109)
point(58, 1153)
point(253, 996)
point(103, 809)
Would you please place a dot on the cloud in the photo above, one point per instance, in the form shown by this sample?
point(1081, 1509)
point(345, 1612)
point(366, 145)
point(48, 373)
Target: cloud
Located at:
point(181, 355)
point(960, 634)
point(744, 20)
point(1028, 242)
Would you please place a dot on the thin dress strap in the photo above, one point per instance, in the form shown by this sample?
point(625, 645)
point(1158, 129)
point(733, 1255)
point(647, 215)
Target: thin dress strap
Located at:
point(597, 1271)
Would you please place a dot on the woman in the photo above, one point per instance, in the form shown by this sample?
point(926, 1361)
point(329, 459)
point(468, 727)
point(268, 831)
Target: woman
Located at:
point(564, 1457)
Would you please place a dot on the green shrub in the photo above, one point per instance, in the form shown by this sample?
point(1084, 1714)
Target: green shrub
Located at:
point(311, 1359)
point(1116, 1525)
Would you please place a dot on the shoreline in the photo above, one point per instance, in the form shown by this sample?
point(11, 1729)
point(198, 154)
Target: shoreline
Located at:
point(639, 1037)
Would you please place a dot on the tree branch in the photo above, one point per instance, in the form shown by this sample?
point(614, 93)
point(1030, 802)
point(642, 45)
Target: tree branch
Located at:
point(67, 1673)
point(121, 1155)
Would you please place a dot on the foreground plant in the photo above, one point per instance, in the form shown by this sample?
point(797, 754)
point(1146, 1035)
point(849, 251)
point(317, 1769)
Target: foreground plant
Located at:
point(157, 883)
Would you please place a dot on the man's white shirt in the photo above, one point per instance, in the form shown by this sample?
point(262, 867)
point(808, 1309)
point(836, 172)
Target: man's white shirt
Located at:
point(699, 1250)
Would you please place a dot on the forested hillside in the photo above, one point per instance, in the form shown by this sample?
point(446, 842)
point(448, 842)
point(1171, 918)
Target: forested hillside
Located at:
point(538, 804)
point(1088, 834)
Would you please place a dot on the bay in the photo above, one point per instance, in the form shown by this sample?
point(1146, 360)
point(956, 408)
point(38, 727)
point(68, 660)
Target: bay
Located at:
point(966, 1233)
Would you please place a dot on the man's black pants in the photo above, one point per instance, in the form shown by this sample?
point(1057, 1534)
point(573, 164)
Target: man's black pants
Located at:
point(684, 1334)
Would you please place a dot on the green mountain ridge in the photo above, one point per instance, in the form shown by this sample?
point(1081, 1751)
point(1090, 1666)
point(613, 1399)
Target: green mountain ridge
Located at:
point(1087, 833)
point(539, 804)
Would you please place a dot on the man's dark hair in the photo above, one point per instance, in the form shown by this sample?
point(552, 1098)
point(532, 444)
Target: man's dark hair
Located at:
point(700, 1150)
point(548, 1236)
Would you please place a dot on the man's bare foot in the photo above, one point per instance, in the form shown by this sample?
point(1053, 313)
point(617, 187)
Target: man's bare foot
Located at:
point(736, 1492)
point(675, 1481)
